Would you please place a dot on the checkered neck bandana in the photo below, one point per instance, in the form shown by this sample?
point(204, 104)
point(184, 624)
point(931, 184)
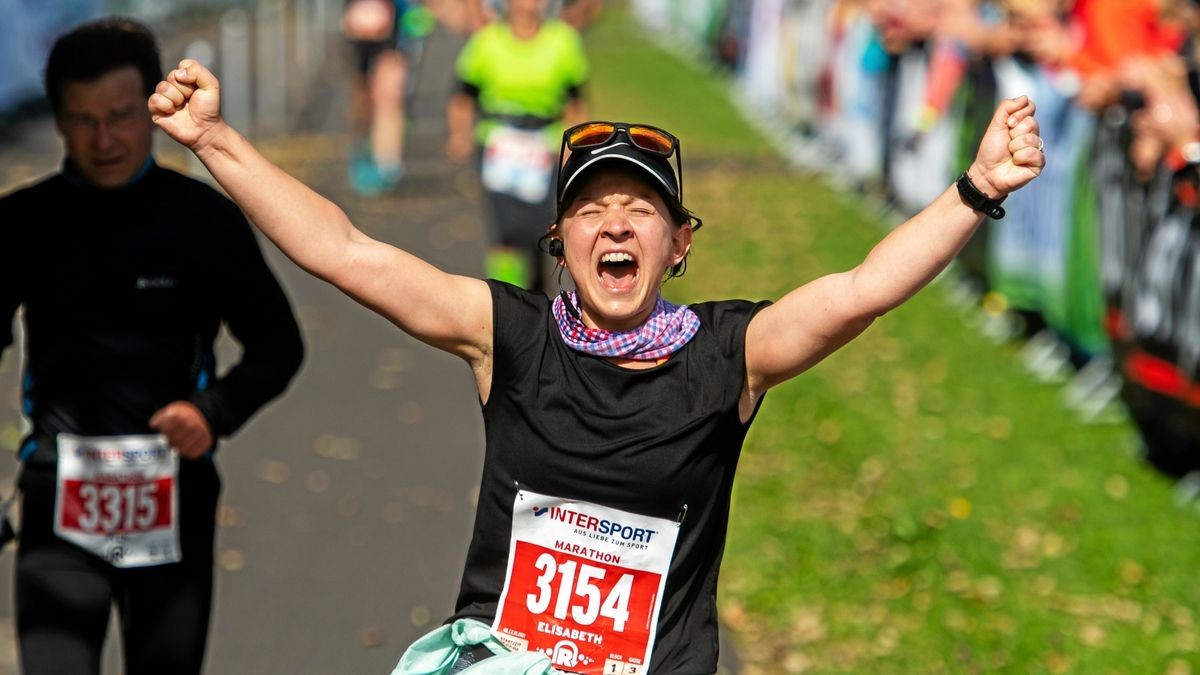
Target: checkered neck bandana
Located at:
point(668, 329)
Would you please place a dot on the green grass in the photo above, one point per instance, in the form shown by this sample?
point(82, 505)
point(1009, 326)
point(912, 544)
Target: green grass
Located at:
point(917, 502)
point(633, 81)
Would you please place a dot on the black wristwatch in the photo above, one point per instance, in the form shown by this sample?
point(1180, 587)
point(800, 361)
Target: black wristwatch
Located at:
point(977, 200)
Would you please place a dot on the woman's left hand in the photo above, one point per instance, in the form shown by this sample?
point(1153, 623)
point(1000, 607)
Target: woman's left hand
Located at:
point(1011, 152)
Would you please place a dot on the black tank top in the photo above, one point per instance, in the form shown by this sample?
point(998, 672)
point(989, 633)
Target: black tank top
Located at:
point(656, 442)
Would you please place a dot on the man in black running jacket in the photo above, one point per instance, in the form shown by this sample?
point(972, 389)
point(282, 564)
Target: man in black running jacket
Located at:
point(126, 271)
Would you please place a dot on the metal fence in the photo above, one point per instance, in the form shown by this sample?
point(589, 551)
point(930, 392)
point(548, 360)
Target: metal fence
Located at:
point(280, 38)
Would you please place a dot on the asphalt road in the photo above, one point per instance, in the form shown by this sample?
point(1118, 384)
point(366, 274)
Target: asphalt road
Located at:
point(349, 503)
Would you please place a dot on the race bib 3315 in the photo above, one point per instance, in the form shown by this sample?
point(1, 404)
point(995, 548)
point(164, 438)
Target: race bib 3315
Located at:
point(117, 498)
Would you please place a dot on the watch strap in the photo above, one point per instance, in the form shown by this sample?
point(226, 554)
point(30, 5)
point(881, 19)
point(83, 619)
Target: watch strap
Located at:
point(975, 199)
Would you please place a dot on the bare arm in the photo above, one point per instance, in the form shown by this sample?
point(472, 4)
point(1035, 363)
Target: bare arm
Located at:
point(575, 112)
point(477, 15)
point(460, 122)
point(450, 312)
point(815, 320)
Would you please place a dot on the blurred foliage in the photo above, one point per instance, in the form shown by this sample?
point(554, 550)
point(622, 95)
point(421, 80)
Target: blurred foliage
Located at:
point(917, 503)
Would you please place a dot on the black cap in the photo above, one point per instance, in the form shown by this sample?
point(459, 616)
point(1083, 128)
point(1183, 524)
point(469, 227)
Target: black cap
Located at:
point(657, 168)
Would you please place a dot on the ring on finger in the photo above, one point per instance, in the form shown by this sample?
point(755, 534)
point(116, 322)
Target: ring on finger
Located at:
point(1041, 145)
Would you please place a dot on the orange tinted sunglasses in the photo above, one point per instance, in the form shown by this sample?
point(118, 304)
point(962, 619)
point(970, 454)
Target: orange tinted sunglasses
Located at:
point(643, 136)
point(648, 138)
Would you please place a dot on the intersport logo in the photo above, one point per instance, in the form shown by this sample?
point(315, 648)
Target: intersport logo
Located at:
point(599, 525)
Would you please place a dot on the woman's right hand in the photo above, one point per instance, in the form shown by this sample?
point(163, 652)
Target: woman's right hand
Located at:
point(187, 105)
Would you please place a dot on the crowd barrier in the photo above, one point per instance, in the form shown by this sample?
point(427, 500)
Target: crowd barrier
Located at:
point(1097, 268)
point(26, 32)
point(252, 32)
point(29, 29)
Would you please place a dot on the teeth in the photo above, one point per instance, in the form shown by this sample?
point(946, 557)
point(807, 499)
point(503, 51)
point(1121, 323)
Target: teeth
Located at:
point(616, 257)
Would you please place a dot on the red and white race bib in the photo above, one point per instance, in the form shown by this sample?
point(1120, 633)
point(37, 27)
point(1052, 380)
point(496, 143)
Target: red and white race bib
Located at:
point(117, 498)
point(584, 584)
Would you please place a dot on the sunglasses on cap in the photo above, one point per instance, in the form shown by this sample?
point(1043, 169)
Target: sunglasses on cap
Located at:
point(649, 139)
point(644, 136)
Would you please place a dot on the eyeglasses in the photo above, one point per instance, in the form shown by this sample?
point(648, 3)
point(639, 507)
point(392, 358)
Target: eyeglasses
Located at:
point(643, 136)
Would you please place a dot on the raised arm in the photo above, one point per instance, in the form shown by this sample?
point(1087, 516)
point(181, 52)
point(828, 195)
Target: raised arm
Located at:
point(450, 312)
point(813, 321)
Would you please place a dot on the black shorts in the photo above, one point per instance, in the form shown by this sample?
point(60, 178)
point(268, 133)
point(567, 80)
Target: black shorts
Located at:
point(516, 223)
point(64, 594)
point(365, 53)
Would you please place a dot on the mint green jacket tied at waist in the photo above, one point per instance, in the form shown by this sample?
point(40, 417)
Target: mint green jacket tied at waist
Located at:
point(436, 653)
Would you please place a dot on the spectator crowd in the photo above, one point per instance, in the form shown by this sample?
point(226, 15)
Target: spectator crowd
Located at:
point(1098, 262)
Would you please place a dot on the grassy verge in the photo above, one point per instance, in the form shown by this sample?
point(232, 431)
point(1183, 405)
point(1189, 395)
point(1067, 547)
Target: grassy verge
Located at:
point(916, 503)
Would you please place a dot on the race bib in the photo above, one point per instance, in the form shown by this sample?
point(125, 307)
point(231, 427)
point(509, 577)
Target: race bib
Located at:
point(519, 163)
point(117, 498)
point(584, 584)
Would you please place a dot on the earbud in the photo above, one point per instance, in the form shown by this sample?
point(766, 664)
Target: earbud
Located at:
point(555, 247)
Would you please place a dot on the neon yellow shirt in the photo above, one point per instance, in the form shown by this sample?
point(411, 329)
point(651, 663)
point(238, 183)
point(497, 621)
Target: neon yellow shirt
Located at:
point(523, 77)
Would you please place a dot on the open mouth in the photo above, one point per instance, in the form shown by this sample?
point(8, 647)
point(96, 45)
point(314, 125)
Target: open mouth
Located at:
point(618, 271)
